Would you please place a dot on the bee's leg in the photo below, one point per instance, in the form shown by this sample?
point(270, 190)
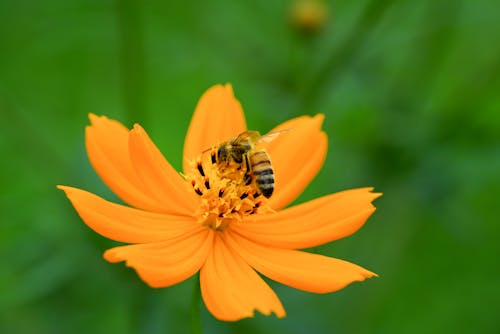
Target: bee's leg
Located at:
point(247, 163)
point(248, 173)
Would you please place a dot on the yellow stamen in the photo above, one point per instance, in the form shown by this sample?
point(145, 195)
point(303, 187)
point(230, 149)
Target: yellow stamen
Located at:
point(224, 196)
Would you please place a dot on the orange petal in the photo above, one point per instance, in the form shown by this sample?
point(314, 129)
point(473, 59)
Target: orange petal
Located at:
point(121, 223)
point(313, 223)
point(106, 142)
point(231, 289)
point(296, 156)
point(158, 176)
point(300, 270)
point(218, 117)
point(162, 264)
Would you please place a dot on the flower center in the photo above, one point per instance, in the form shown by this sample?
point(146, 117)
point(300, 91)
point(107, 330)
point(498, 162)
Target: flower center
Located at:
point(226, 195)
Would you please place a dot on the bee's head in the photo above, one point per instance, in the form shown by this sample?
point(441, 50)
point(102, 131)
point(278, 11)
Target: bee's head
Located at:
point(222, 154)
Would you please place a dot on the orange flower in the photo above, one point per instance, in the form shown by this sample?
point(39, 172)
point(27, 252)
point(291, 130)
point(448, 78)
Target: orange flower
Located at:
point(210, 221)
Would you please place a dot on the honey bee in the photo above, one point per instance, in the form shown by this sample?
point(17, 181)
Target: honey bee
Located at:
point(241, 150)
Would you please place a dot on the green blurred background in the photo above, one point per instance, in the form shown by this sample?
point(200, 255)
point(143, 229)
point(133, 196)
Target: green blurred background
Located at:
point(411, 94)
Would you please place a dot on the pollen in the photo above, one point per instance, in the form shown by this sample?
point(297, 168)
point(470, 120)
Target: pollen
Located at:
point(225, 195)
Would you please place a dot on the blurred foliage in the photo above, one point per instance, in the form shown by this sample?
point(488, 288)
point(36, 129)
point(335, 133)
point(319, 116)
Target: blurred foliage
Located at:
point(410, 91)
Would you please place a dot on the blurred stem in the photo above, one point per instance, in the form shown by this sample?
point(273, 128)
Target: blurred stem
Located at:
point(429, 55)
point(131, 53)
point(299, 57)
point(371, 14)
point(195, 315)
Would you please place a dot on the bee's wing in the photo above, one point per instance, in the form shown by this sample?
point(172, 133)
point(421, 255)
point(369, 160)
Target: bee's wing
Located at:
point(267, 138)
point(252, 136)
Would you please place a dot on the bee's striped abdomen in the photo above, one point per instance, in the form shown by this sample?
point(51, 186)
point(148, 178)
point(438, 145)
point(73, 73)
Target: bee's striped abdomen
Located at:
point(263, 172)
